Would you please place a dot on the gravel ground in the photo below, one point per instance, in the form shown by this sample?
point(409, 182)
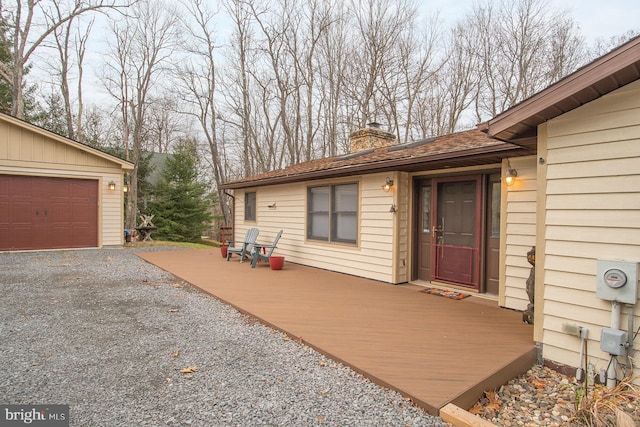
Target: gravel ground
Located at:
point(109, 335)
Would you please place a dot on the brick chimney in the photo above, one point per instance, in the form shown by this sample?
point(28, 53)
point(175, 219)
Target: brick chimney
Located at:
point(370, 137)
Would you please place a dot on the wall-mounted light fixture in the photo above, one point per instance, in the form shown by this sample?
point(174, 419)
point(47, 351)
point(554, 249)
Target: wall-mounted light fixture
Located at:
point(510, 176)
point(393, 208)
point(112, 186)
point(125, 188)
point(387, 185)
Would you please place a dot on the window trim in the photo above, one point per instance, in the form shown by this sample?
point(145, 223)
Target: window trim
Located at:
point(331, 214)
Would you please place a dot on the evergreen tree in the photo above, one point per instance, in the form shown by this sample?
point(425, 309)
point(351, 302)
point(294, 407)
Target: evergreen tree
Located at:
point(180, 203)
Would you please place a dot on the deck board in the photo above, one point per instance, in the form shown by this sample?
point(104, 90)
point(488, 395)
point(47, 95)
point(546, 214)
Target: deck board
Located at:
point(432, 349)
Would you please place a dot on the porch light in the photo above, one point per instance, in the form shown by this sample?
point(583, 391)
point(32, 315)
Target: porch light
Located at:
point(387, 185)
point(125, 188)
point(510, 176)
point(112, 186)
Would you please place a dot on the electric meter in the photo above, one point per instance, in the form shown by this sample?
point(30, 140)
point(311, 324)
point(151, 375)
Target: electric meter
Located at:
point(617, 281)
point(615, 278)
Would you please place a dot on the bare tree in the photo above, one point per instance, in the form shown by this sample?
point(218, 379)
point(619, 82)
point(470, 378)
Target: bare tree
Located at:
point(524, 46)
point(379, 25)
point(25, 36)
point(65, 39)
point(240, 13)
point(143, 43)
point(199, 79)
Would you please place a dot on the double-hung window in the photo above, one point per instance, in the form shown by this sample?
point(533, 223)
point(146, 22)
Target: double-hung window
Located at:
point(332, 213)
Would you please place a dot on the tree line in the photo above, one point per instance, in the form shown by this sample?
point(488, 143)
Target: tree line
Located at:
point(258, 85)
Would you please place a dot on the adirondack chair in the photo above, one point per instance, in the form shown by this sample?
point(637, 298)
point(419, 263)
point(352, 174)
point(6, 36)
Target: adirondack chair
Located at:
point(263, 252)
point(245, 247)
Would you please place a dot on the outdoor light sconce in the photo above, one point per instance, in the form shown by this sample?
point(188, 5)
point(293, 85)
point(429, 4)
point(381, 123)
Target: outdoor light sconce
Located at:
point(387, 185)
point(125, 188)
point(112, 186)
point(510, 176)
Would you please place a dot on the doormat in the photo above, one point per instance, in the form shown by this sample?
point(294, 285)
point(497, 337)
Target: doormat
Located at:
point(445, 293)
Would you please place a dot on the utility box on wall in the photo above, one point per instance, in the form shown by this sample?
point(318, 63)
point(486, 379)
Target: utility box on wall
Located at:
point(617, 281)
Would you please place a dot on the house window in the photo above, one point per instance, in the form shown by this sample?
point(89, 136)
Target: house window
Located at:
point(250, 206)
point(333, 213)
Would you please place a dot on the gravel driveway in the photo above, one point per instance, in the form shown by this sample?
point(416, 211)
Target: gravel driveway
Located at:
point(109, 334)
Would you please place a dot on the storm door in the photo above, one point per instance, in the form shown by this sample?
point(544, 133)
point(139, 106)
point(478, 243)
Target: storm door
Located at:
point(456, 231)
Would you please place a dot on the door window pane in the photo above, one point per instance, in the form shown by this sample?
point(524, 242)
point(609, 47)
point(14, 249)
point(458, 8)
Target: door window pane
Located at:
point(426, 209)
point(495, 209)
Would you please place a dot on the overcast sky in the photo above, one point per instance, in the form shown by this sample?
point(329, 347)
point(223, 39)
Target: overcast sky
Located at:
point(596, 18)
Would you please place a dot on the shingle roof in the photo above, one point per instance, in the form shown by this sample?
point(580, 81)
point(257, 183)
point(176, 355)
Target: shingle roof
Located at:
point(471, 147)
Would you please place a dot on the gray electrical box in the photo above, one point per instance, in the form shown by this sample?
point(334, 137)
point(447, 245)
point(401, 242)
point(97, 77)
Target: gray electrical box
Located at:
point(617, 281)
point(613, 341)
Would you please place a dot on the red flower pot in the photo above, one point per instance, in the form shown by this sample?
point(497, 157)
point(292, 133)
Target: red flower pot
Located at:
point(276, 262)
point(223, 251)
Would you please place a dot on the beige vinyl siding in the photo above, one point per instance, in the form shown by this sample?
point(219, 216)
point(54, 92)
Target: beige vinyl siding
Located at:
point(592, 212)
point(402, 227)
point(519, 224)
point(372, 257)
point(22, 145)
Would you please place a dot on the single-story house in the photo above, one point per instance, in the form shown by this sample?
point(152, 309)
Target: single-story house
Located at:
point(56, 193)
point(439, 211)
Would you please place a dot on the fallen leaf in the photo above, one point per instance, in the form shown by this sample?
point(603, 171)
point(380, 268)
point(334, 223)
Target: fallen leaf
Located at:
point(334, 366)
point(287, 339)
point(324, 392)
point(476, 409)
point(189, 369)
point(175, 353)
point(324, 364)
point(320, 418)
point(173, 310)
point(536, 382)
point(168, 379)
point(179, 294)
point(494, 400)
point(177, 285)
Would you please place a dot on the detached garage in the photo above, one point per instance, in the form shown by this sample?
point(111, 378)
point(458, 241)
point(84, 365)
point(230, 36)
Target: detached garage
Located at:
point(56, 193)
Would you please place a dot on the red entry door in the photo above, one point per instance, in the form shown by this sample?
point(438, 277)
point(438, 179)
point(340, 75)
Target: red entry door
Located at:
point(456, 231)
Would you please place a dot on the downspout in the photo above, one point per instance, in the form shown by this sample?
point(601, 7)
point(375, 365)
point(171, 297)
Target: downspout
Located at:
point(233, 214)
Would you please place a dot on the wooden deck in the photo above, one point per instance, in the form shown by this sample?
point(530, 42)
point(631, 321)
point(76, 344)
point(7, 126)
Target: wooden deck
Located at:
point(431, 349)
